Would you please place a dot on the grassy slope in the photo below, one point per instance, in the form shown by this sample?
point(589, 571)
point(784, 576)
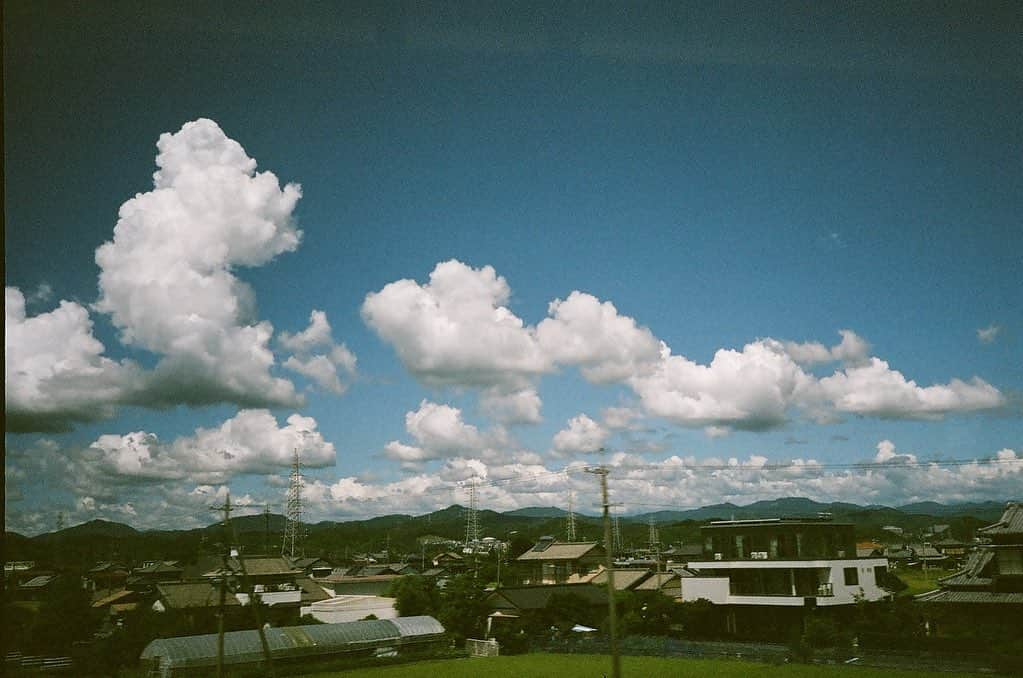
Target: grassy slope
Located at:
point(590, 666)
point(920, 581)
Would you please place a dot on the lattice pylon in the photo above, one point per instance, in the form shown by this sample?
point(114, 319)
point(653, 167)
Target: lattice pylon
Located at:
point(472, 526)
point(570, 526)
point(292, 542)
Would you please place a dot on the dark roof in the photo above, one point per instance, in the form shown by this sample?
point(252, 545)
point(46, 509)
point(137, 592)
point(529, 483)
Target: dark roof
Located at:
point(537, 597)
point(159, 567)
point(181, 595)
point(259, 567)
point(311, 591)
point(1011, 522)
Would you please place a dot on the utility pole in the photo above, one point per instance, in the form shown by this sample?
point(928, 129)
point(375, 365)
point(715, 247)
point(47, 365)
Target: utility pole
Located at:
point(226, 569)
point(616, 663)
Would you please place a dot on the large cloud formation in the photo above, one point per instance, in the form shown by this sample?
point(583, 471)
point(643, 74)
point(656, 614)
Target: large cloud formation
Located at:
point(55, 372)
point(167, 280)
point(456, 330)
point(166, 277)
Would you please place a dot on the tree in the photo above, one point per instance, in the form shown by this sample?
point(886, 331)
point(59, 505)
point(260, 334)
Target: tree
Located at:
point(463, 612)
point(415, 595)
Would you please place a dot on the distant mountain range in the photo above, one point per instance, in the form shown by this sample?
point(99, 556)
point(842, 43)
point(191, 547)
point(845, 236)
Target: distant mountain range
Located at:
point(988, 511)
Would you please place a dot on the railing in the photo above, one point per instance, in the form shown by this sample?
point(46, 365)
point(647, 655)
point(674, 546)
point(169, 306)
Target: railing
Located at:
point(482, 648)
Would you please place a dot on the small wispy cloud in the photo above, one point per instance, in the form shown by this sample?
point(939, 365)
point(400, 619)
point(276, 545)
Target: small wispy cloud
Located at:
point(987, 335)
point(40, 294)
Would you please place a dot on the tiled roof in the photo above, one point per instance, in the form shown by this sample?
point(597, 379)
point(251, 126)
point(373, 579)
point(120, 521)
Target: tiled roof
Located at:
point(114, 597)
point(656, 582)
point(158, 567)
point(180, 595)
point(1011, 522)
point(335, 579)
point(311, 591)
point(625, 579)
point(562, 551)
point(537, 597)
point(259, 567)
point(970, 597)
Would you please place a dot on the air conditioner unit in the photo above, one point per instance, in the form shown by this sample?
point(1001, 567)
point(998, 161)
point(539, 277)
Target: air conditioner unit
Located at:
point(717, 556)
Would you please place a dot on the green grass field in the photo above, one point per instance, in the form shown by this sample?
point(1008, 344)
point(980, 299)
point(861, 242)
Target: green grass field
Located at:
point(920, 581)
point(591, 666)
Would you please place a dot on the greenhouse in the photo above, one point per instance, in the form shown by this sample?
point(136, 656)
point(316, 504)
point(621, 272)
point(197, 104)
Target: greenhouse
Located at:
point(197, 655)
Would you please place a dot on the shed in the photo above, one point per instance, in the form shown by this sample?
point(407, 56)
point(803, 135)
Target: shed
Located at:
point(166, 657)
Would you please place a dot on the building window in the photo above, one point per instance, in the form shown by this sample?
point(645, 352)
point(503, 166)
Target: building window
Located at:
point(852, 577)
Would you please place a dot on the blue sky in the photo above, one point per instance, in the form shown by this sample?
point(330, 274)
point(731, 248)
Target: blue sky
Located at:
point(713, 194)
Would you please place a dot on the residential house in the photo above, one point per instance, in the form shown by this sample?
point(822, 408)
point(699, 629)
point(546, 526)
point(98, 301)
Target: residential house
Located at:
point(105, 578)
point(311, 567)
point(37, 587)
point(668, 583)
point(154, 572)
point(626, 579)
point(512, 601)
point(553, 562)
point(776, 568)
point(989, 589)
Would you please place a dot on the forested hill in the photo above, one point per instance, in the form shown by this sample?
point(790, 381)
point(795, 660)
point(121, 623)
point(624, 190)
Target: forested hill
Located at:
point(405, 535)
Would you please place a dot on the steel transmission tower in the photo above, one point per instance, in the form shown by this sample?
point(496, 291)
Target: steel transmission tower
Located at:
point(571, 517)
point(292, 542)
point(472, 525)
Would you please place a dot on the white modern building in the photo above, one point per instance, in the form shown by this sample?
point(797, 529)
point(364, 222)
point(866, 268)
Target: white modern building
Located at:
point(776, 563)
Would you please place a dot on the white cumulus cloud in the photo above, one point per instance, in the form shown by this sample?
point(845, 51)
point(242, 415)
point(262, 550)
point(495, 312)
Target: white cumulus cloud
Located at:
point(581, 435)
point(167, 278)
point(55, 372)
point(456, 329)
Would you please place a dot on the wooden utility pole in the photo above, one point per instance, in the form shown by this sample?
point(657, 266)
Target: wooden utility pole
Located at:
point(229, 537)
point(224, 566)
point(616, 663)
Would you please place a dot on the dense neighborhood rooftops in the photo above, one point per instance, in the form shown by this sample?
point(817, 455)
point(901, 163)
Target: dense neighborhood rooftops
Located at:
point(562, 551)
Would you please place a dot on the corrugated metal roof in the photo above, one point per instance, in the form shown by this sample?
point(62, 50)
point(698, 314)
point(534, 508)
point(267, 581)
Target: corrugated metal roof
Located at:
point(1011, 522)
point(562, 551)
point(241, 647)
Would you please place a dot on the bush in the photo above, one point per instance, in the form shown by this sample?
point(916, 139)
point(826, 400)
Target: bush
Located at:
point(821, 632)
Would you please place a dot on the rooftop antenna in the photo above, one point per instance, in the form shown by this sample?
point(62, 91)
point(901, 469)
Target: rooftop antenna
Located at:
point(571, 516)
point(292, 541)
